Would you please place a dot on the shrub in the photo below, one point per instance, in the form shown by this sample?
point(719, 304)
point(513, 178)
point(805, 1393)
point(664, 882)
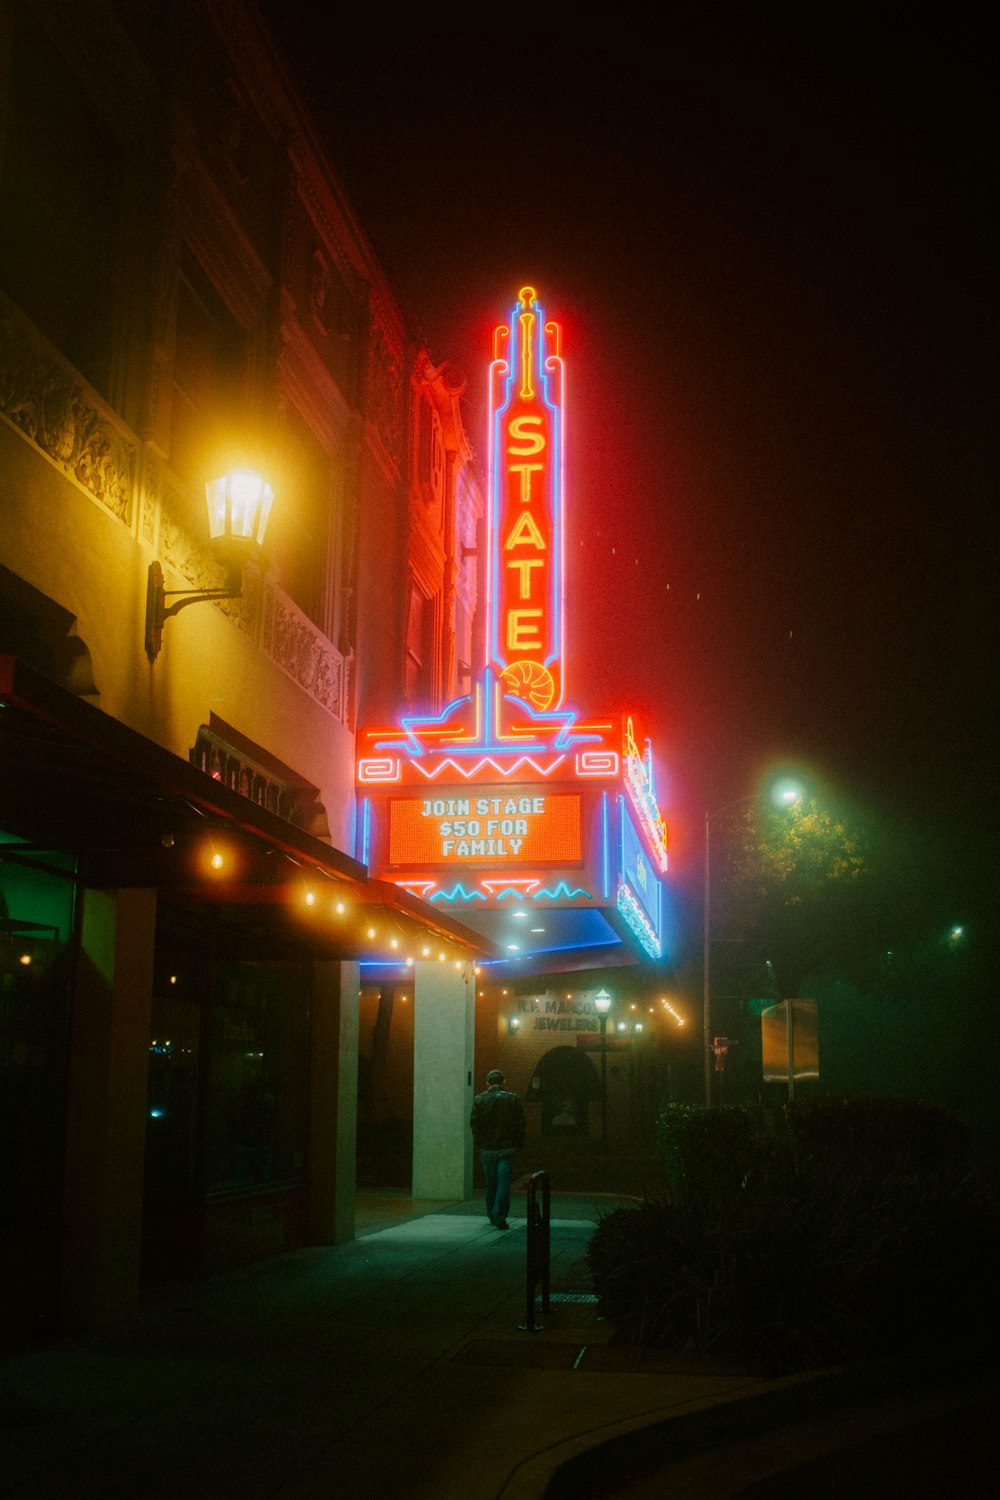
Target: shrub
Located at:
point(832, 1229)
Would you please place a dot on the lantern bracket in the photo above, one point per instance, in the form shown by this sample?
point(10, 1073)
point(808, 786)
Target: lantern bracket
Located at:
point(158, 611)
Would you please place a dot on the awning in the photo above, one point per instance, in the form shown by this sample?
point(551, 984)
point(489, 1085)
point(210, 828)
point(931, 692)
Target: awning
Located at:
point(75, 780)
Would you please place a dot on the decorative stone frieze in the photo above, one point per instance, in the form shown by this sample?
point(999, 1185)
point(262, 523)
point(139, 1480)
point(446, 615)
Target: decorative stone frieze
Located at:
point(295, 645)
point(64, 418)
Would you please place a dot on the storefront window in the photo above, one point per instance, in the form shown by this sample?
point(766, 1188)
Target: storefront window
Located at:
point(36, 920)
point(257, 1107)
point(170, 1171)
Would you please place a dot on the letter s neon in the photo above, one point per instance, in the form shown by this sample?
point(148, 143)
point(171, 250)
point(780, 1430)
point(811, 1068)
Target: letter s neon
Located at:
point(533, 442)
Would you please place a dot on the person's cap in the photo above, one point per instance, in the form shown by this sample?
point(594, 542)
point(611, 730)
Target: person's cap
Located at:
point(494, 1076)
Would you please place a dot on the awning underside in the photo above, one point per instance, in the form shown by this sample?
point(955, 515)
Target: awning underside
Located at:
point(130, 813)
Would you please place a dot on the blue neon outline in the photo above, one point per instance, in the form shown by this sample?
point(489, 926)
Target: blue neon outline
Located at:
point(559, 720)
point(605, 849)
point(637, 921)
point(657, 930)
point(555, 498)
point(366, 830)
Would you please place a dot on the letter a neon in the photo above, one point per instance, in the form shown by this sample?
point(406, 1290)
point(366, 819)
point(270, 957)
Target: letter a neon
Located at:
point(525, 533)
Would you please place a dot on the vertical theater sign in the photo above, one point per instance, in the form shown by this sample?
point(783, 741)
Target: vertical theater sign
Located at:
point(526, 501)
point(534, 823)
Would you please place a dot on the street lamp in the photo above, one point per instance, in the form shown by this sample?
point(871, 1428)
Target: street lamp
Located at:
point(786, 794)
point(602, 1004)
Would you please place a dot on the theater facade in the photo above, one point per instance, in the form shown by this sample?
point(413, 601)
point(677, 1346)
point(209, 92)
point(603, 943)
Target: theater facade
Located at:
point(534, 822)
point(188, 298)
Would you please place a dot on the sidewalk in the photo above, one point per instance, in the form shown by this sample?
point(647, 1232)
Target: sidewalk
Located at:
point(395, 1365)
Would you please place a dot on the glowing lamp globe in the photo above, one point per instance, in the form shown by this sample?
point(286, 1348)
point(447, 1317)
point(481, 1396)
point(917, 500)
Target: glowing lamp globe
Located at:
point(239, 508)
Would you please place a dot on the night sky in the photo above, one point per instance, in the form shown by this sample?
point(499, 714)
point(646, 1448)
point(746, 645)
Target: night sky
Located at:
point(769, 235)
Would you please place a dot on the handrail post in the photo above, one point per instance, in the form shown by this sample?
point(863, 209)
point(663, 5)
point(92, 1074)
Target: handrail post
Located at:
point(539, 1258)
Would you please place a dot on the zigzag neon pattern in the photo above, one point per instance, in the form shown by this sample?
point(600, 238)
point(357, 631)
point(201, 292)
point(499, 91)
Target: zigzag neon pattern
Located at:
point(457, 893)
point(429, 890)
point(562, 889)
point(506, 772)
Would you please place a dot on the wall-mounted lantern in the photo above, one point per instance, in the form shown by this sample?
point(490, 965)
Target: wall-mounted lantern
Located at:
point(513, 1025)
point(239, 505)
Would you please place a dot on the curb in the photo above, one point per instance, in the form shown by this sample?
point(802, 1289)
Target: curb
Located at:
point(577, 1467)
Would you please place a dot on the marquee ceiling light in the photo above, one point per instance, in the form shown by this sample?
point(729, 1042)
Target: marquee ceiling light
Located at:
point(239, 505)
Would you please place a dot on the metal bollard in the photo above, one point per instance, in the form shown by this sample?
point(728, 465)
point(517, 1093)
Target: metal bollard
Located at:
point(539, 1220)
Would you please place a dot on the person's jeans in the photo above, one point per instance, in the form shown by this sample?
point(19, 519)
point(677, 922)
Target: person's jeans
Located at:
point(498, 1167)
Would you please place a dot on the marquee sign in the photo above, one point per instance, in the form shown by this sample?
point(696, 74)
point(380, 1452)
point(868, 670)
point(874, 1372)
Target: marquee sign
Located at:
point(525, 516)
point(513, 826)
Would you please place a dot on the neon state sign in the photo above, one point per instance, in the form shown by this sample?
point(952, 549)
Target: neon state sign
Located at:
point(505, 796)
point(525, 575)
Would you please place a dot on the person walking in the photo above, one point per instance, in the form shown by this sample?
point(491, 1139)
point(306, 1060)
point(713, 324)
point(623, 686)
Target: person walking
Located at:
point(498, 1125)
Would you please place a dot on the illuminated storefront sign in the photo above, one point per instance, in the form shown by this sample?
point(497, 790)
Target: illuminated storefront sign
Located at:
point(496, 827)
point(525, 595)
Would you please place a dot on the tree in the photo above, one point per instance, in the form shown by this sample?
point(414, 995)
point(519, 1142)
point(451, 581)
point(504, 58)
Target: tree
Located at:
point(794, 887)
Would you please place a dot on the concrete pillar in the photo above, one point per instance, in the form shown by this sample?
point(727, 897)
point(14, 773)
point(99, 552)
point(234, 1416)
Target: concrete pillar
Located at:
point(444, 1021)
point(333, 1102)
point(107, 1101)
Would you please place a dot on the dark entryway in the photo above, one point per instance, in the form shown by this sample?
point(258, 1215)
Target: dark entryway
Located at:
point(565, 1083)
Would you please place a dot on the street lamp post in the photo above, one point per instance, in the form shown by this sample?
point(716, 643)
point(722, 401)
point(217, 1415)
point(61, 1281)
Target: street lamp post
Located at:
point(602, 1003)
point(787, 795)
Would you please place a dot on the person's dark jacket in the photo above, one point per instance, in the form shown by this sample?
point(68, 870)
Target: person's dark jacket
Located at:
point(497, 1121)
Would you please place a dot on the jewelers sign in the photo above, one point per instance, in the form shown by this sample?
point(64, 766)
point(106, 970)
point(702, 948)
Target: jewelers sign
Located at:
point(495, 826)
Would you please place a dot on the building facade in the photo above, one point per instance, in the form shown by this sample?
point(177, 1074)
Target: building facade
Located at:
point(186, 291)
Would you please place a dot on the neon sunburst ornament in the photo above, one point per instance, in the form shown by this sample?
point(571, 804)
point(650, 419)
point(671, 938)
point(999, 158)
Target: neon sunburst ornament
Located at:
point(530, 680)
